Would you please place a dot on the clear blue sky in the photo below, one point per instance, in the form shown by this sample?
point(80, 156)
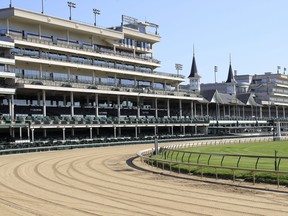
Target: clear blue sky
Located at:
point(255, 32)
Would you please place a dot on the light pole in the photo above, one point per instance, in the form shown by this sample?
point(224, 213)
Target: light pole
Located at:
point(178, 68)
point(96, 12)
point(42, 7)
point(71, 5)
point(10, 5)
point(215, 72)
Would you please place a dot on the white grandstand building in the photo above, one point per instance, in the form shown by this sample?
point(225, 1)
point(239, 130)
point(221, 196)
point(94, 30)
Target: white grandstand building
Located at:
point(64, 79)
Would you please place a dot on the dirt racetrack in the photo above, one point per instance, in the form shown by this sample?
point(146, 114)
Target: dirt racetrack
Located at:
point(107, 181)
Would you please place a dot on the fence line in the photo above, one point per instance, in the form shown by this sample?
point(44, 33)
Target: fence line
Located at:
point(146, 158)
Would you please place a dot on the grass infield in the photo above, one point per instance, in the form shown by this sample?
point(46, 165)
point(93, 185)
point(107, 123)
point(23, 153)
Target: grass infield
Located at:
point(252, 149)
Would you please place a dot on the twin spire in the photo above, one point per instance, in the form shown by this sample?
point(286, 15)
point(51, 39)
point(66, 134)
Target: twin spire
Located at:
point(194, 72)
point(230, 77)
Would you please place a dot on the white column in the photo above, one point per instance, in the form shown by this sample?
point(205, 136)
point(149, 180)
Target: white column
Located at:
point(91, 133)
point(64, 138)
point(261, 112)
point(136, 135)
point(72, 103)
point(20, 133)
point(118, 106)
point(96, 106)
point(115, 132)
point(72, 132)
point(283, 111)
point(192, 111)
point(44, 102)
point(93, 78)
point(138, 107)
point(168, 107)
point(276, 111)
point(172, 130)
point(28, 133)
point(207, 109)
point(12, 116)
point(156, 107)
point(180, 108)
point(69, 74)
point(32, 134)
point(269, 110)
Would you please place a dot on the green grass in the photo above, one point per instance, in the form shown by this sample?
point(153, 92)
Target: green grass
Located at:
point(256, 149)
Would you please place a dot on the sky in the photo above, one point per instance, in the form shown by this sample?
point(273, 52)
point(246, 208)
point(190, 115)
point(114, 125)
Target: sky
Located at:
point(253, 32)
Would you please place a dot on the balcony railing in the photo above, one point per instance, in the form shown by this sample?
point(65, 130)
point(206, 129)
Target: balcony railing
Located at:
point(62, 58)
point(77, 45)
point(86, 84)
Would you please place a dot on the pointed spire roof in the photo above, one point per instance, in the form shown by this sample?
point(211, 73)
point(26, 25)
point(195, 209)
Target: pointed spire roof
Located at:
point(194, 73)
point(230, 77)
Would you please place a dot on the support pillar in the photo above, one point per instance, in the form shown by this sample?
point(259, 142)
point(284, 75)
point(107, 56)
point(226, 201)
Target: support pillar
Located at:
point(168, 107)
point(192, 111)
point(138, 107)
point(72, 103)
point(115, 132)
point(44, 102)
point(63, 132)
point(156, 107)
point(180, 108)
point(91, 133)
point(96, 106)
point(32, 134)
point(72, 132)
point(20, 133)
point(136, 135)
point(276, 111)
point(11, 107)
point(283, 111)
point(118, 107)
point(28, 133)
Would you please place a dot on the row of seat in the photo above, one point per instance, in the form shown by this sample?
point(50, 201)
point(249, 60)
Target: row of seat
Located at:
point(99, 120)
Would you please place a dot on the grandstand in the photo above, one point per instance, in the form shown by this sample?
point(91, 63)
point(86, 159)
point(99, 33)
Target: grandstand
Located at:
point(69, 80)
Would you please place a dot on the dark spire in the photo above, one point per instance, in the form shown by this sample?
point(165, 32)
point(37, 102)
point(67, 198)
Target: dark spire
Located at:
point(193, 73)
point(230, 77)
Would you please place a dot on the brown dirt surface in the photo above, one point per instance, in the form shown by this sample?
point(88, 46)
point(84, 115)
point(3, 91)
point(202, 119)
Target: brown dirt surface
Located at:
point(112, 181)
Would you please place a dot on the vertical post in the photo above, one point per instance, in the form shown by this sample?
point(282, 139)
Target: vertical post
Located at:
point(32, 134)
point(20, 133)
point(180, 108)
point(42, 7)
point(72, 103)
point(118, 107)
point(115, 132)
point(44, 102)
point(96, 106)
point(63, 133)
point(156, 145)
point(192, 113)
point(168, 108)
point(156, 107)
point(91, 133)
